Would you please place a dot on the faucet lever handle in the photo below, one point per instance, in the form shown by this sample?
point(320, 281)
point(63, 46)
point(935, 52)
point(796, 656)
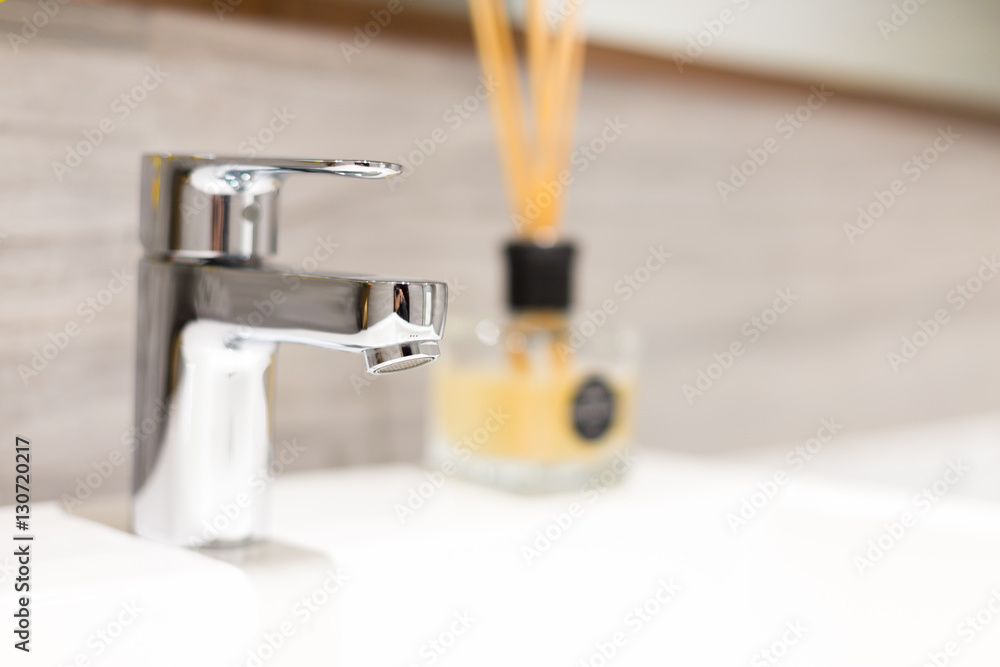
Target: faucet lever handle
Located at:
point(352, 168)
point(214, 207)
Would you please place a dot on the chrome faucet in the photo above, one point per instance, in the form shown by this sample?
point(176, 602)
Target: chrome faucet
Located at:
point(210, 316)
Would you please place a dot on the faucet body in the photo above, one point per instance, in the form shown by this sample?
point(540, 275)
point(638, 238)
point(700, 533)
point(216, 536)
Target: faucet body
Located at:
point(208, 328)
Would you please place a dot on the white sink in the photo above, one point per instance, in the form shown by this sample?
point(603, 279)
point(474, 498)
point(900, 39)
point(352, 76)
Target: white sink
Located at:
point(102, 597)
point(648, 572)
point(455, 572)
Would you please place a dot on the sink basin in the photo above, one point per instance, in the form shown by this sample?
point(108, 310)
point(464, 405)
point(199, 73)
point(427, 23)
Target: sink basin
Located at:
point(103, 597)
point(650, 571)
point(686, 561)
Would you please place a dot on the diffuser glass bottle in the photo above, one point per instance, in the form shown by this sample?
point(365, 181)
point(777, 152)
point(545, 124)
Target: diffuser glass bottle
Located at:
point(534, 404)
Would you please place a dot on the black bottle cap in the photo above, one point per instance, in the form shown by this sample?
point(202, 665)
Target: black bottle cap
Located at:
point(539, 276)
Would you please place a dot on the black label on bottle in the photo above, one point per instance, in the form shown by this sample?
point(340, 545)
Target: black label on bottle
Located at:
point(593, 409)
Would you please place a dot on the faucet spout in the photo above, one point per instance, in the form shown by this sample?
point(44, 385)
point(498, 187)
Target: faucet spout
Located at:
point(350, 313)
point(208, 335)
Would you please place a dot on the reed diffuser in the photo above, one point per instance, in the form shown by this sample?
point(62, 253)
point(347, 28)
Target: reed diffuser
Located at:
point(532, 404)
